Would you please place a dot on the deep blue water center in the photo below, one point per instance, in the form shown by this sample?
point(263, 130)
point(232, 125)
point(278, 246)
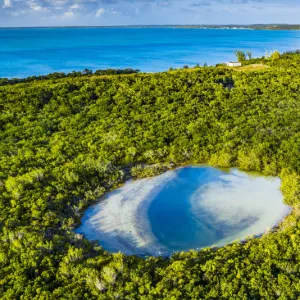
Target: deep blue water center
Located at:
point(188, 208)
point(169, 212)
point(37, 51)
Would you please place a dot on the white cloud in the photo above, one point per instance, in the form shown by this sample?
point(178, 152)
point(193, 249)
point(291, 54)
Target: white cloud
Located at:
point(36, 7)
point(113, 11)
point(75, 6)
point(100, 12)
point(7, 3)
point(123, 12)
point(18, 13)
point(69, 14)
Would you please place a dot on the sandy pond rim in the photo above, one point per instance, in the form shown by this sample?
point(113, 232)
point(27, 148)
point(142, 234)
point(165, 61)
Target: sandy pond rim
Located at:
point(187, 208)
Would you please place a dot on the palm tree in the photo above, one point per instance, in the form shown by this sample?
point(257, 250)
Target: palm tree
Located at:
point(241, 56)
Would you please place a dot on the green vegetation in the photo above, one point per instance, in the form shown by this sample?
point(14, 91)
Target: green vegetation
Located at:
point(142, 171)
point(240, 55)
point(271, 58)
point(66, 142)
point(275, 55)
point(57, 75)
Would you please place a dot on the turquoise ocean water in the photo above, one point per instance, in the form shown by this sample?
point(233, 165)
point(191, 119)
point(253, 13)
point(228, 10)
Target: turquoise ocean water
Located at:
point(36, 51)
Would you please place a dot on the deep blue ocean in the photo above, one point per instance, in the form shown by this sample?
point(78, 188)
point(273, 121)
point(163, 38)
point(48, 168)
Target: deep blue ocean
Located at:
point(36, 51)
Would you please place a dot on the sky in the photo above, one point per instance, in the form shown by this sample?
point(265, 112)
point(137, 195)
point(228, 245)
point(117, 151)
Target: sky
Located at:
point(25, 13)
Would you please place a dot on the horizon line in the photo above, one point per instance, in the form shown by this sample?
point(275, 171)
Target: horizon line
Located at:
point(153, 25)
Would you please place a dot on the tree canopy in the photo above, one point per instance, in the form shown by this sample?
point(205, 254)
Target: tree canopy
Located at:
point(65, 142)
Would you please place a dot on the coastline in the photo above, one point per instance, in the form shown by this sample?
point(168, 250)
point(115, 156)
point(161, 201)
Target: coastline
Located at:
point(148, 49)
point(173, 26)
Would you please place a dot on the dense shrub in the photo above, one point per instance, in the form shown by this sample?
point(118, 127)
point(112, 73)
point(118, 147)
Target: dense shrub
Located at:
point(65, 142)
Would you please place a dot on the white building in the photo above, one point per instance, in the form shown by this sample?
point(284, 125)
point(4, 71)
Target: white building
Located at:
point(234, 64)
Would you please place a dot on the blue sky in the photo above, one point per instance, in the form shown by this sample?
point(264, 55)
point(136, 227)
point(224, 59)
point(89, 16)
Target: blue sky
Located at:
point(134, 12)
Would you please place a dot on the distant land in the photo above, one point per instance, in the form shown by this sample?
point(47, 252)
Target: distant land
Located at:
point(252, 26)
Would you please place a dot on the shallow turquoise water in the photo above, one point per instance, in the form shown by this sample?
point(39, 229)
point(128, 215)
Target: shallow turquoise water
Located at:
point(37, 51)
point(189, 208)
